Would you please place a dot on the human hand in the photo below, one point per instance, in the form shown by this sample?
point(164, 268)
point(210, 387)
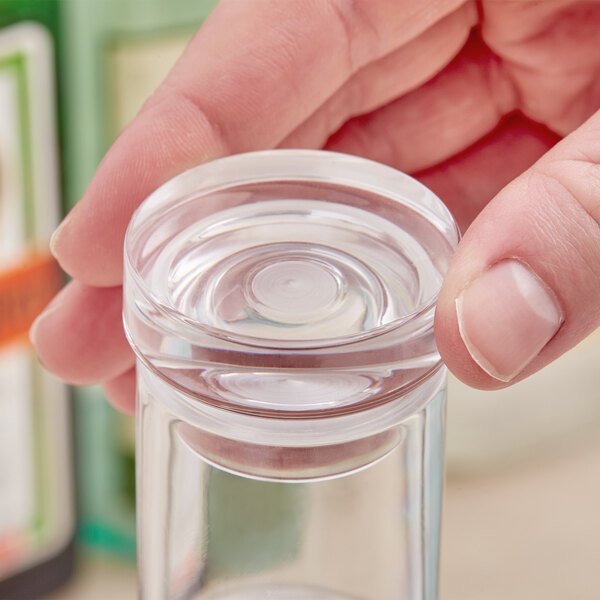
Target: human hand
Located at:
point(407, 83)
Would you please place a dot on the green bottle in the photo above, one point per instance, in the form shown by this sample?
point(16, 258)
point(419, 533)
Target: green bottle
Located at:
point(113, 54)
point(37, 517)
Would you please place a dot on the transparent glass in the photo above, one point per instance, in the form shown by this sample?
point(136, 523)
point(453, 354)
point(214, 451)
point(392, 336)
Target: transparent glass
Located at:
point(291, 399)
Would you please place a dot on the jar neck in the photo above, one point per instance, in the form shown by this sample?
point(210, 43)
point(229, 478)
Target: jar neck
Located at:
point(284, 448)
point(326, 428)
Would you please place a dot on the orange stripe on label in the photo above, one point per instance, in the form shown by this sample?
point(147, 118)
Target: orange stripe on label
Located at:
point(24, 292)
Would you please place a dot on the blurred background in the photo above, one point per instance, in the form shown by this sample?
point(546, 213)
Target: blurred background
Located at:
point(521, 516)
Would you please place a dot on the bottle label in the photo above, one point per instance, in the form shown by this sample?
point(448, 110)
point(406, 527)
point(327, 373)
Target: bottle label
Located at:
point(36, 514)
point(136, 67)
point(25, 290)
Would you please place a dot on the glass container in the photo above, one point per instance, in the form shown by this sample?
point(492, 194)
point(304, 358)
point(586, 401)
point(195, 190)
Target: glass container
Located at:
point(290, 416)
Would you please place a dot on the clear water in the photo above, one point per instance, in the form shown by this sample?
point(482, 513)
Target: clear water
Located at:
point(293, 271)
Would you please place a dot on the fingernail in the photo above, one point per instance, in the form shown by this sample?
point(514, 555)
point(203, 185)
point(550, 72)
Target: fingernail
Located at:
point(56, 236)
point(505, 317)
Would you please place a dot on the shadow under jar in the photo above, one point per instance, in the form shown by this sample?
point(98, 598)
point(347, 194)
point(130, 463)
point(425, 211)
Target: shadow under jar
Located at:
point(290, 415)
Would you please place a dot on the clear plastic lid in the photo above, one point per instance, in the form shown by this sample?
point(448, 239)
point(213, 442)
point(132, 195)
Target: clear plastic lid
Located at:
point(288, 283)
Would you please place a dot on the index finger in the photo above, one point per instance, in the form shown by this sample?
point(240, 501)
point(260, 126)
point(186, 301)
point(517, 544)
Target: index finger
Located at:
point(253, 73)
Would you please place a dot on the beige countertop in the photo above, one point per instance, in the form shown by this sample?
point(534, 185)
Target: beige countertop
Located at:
point(528, 533)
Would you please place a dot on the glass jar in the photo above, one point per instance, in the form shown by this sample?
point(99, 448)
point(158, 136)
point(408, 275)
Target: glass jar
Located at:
point(290, 417)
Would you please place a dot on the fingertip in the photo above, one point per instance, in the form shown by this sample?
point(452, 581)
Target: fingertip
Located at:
point(80, 337)
point(55, 240)
point(461, 364)
point(75, 245)
point(449, 340)
point(121, 392)
point(44, 338)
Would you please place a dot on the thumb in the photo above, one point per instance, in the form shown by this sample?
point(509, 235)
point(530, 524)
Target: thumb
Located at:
point(524, 284)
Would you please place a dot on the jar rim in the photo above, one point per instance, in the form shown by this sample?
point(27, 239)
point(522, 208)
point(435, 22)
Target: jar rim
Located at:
point(294, 165)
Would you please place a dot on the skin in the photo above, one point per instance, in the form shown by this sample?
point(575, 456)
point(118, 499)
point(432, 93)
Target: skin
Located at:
point(492, 104)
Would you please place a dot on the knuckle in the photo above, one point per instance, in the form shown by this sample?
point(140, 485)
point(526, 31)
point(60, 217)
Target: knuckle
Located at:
point(580, 180)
